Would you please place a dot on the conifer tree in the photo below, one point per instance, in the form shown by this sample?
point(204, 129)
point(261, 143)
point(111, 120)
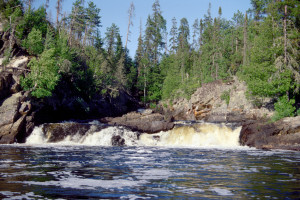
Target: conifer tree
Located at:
point(196, 34)
point(174, 36)
point(93, 21)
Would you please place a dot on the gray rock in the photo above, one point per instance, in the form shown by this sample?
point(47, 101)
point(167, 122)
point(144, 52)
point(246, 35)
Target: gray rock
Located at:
point(283, 134)
point(117, 141)
point(151, 123)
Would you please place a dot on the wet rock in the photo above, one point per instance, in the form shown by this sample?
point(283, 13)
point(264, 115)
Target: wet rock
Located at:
point(149, 123)
point(56, 132)
point(283, 134)
point(117, 141)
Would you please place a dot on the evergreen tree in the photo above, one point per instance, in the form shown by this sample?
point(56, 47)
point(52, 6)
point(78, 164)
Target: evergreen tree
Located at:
point(174, 36)
point(44, 76)
point(93, 21)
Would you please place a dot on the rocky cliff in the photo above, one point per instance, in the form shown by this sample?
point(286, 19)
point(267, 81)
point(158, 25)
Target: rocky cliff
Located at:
point(208, 103)
point(283, 134)
point(20, 112)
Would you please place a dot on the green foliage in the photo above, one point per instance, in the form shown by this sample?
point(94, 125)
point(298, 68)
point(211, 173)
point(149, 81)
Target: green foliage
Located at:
point(7, 55)
point(10, 8)
point(43, 78)
point(225, 96)
point(153, 106)
point(32, 19)
point(34, 42)
point(284, 108)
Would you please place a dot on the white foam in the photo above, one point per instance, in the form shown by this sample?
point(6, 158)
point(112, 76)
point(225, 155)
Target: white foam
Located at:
point(36, 137)
point(222, 191)
point(18, 195)
point(202, 135)
point(195, 136)
point(153, 174)
point(134, 197)
point(91, 184)
point(190, 190)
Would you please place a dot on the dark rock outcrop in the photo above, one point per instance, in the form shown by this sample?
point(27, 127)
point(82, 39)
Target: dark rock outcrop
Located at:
point(283, 134)
point(56, 132)
point(146, 123)
point(20, 112)
point(117, 141)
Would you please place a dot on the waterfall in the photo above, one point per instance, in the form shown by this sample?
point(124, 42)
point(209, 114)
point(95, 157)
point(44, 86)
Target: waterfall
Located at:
point(193, 135)
point(197, 135)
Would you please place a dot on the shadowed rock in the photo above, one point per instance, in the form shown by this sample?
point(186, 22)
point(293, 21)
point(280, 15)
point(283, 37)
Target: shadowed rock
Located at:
point(283, 134)
point(56, 132)
point(117, 141)
point(147, 123)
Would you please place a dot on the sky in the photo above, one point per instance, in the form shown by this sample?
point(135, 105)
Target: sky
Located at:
point(116, 11)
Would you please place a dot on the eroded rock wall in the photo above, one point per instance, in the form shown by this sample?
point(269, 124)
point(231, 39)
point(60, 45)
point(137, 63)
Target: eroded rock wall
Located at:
point(207, 104)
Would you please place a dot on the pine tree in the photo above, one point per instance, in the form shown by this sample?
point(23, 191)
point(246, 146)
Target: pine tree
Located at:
point(174, 36)
point(93, 21)
point(196, 34)
point(120, 73)
point(77, 22)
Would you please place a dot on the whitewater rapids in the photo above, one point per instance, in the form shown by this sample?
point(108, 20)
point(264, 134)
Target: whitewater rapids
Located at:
point(193, 135)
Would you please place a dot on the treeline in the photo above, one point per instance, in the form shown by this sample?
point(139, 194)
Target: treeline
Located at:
point(69, 50)
point(260, 46)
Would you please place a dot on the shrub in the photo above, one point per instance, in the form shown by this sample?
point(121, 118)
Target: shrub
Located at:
point(34, 42)
point(44, 76)
point(284, 108)
point(226, 97)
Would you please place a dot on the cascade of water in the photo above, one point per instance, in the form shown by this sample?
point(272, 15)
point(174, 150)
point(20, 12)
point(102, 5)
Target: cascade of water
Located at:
point(195, 135)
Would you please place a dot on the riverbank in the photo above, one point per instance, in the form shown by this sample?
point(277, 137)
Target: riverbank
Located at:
point(217, 102)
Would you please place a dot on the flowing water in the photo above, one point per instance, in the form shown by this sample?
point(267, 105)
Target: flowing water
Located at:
point(199, 161)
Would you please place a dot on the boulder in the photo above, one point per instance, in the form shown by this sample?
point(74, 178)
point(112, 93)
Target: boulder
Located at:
point(283, 134)
point(117, 141)
point(56, 132)
point(146, 123)
point(10, 120)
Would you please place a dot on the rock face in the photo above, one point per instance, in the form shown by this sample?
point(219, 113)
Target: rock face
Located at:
point(283, 134)
point(14, 119)
point(207, 104)
point(146, 123)
point(56, 132)
point(19, 112)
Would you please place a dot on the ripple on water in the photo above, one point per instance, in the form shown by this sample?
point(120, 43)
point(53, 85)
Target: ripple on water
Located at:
point(221, 191)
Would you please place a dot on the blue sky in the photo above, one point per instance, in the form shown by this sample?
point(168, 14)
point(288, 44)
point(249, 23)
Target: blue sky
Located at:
point(116, 11)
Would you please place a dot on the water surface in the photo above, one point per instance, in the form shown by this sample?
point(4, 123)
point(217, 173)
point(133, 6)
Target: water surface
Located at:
point(141, 172)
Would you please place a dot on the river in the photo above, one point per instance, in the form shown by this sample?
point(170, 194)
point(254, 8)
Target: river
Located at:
point(189, 162)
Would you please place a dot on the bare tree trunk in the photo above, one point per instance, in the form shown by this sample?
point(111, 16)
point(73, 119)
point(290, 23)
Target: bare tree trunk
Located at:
point(58, 7)
point(71, 27)
point(285, 35)
point(145, 83)
point(236, 44)
point(245, 41)
point(85, 35)
point(130, 16)
point(166, 44)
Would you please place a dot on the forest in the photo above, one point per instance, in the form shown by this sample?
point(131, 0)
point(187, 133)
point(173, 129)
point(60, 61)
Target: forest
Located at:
point(260, 47)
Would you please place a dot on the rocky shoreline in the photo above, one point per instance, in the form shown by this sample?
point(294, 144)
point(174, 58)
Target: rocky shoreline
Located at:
point(20, 113)
point(283, 134)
